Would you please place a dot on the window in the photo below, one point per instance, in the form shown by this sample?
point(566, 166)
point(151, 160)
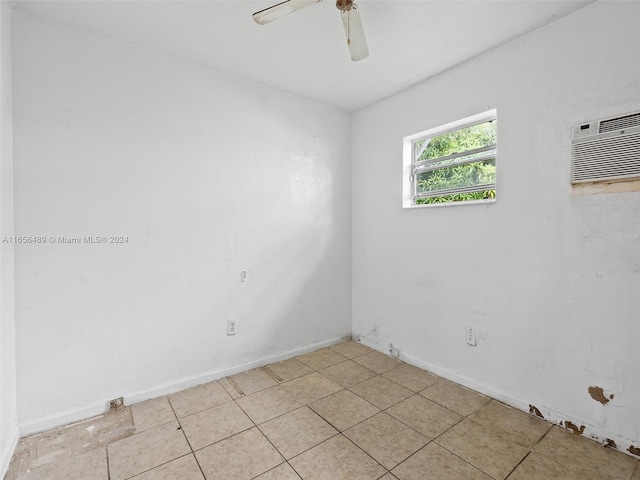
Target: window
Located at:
point(453, 163)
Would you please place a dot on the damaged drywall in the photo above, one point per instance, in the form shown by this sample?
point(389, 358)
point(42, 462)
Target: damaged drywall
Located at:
point(534, 411)
point(574, 428)
point(597, 393)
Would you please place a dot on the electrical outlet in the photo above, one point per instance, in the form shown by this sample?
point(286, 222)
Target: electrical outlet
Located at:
point(470, 336)
point(231, 327)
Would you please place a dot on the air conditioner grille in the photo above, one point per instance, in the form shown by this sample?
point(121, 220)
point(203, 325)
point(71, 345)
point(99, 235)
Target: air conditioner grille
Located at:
point(627, 121)
point(606, 159)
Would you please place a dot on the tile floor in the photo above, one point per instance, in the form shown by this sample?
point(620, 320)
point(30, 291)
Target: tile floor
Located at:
point(344, 412)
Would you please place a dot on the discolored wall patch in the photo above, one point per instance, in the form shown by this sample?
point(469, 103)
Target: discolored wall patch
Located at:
point(534, 411)
point(634, 450)
point(571, 426)
point(597, 393)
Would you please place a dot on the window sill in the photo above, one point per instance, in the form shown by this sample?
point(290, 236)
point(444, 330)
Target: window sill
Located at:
point(450, 204)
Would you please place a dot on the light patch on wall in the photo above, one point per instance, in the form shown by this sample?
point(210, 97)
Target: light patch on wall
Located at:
point(600, 188)
point(309, 182)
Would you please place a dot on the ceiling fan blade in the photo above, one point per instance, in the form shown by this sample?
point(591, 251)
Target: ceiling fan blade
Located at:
point(280, 10)
point(356, 39)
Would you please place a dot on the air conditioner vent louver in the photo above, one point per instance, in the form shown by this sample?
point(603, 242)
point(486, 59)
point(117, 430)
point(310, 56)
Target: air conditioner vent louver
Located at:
point(606, 150)
point(627, 121)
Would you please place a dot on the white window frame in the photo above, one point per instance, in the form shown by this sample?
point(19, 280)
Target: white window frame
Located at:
point(409, 176)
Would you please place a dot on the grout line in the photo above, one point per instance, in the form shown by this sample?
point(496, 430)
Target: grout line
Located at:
point(276, 448)
point(106, 448)
point(414, 429)
point(543, 437)
point(435, 440)
point(519, 463)
point(465, 460)
point(159, 465)
point(296, 472)
point(187, 439)
point(286, 459)
point(272, 374)
point(236, 387)
point(414, 453)
point(359, 448)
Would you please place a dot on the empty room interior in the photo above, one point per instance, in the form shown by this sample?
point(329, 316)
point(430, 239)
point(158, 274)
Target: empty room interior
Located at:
point(309, 240)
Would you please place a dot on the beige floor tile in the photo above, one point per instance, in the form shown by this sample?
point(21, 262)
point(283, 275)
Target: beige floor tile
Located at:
point(377, 361)
point(281, 472)
point(336, 459)
point(146, 450)
point(288, 370)
point(386, 439)
point(595, 461)
point(297, 431)
point(348, 373)
point(493, 454)
point(92, 464)
point(241, 457)
point(436, 463)
point(196, 399)
point(152, 413)
point(636, 476)
point(253, 381)
point(455, 397)
point(381, 392)
point(413, 378)
point(214, 424)
point(230, 388)
point(268, 404)
point(540, 467)
point(321, 358)
point(388, 476)
point(425, 416)
point(351, 349)
point(311, 387)
point(183, 468)
point(344, 409)
point(64, 442)
point(519, 426)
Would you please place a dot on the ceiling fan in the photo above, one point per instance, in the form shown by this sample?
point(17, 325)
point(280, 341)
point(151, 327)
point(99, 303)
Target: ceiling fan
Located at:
point(351, 21)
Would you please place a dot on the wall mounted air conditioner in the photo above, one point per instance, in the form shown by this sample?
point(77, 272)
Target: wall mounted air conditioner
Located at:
point(606, 150)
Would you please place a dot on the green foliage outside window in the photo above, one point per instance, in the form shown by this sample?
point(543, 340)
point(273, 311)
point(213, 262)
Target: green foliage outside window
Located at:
point(482, 172)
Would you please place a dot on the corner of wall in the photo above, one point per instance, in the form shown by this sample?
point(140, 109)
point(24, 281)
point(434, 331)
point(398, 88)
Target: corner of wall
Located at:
point(7, 450)
point(9, 432)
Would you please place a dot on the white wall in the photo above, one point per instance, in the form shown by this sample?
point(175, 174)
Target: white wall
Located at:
point(548, 275)
point(8, 412)
point(208, 176)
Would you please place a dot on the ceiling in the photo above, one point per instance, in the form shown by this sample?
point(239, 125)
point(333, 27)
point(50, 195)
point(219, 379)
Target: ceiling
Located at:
point(305, 53)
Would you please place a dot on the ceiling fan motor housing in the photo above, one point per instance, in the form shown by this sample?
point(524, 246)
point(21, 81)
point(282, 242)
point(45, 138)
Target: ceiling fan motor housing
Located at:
point(344, 5)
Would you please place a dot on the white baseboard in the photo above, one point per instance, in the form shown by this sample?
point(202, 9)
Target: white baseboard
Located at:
point(7, 451)
point(187, 382)
point(31, 426)
point(65, 417)
point(593, 432)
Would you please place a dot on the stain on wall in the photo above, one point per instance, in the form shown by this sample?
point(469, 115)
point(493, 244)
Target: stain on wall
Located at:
point(534, 411)
point(634, 450)
point(597, 393)
point(571, 426)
